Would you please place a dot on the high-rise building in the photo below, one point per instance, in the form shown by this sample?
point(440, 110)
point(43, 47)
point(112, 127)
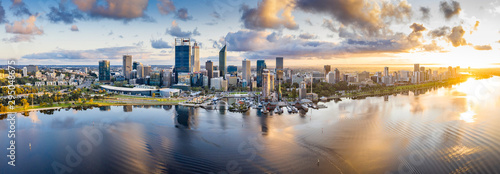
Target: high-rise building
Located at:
point(167, 78)
point(140, 71)
point(261, 65)
point(416, 67)
point(303, 90)
point(233, 70)
point(222, 62)
point(182, 57)
point(386, 71)
point(32, 68)
point(328, 68)
point(330, 77)
point(266, 83)
point(245, 65)
point(279, 68)
point(195, 58)
point(104, 70)
point(127, 66)
point(135, 64)
point(25, 72)
point(155, 78)
point(337, 75)
point(209, 66)
point(147, 71)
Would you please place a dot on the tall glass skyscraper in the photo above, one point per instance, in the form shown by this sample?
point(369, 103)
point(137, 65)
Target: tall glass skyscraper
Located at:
point(233, 70)
point(195, 58)
point(261, 65)
point(104, 70)
point(182, 57)
point(222, 62)
point(127, 66)
point(210, 69)
point(245, 65)
point(279, 68)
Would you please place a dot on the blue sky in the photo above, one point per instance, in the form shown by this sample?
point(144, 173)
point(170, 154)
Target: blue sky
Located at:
point(305, 32)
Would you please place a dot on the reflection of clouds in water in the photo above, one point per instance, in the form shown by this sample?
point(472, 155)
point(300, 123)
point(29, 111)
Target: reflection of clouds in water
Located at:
point(67, 123)
point(34, 117)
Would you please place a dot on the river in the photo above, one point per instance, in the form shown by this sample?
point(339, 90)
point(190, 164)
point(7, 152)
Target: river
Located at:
point(444, 130)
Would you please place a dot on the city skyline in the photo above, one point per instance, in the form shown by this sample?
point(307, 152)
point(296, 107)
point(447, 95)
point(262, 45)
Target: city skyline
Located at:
point(392, 32)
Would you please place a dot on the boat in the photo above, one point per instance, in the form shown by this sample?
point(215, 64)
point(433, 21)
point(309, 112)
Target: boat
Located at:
point(278, 110)
point(264, 111)
point(324, 98)
point(289, 109)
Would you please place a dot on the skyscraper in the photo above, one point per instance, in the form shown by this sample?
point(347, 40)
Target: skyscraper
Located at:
point(233, 70)
point(195, 58)
point(209, 65)
point(266, 83)
point(182, 57)
point(279, 68)
point(328, 68)
point(147, 71)
point(416, 67)
point(127, 66)
point(386, 71)
point(104, 70)
point(140, 71)
point(222, 62)
point(245, 65)
point(261, 65)
point(135, 64)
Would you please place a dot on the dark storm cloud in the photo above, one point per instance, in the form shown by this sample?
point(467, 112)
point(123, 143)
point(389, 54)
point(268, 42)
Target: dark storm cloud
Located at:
point(450, 9)
point(426, 13)
point(308, 36)
point(182, 14)
point(159, 44)
point(62, 14)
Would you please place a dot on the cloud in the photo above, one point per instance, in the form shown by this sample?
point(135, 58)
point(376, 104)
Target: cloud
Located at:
point(308, 21)
point(475, 27)
point(125, 10)
point(439, 32)
point(328, 24)
point(215, 15)
point(456, 36)
point(450, 9)
point(433, 47)
point(19, 8)
point(264, 44)
point(426, 13)
point(362, 15)
point(26, 27)
point(182, 14)
point(266, 15)
point(308, 36)
point(2, 14)
point(399, 13)
point(61, 14)
point(115, 53)
point(19, 38)
point(159, 44)
point(74, 28)
point(176, 31)
point(165, 7)
point(482, 47)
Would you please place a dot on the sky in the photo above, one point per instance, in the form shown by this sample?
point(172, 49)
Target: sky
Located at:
point(304, 32)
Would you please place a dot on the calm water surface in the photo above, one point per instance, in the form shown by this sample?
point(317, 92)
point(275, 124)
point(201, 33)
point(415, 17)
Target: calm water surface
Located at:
point(447, 130)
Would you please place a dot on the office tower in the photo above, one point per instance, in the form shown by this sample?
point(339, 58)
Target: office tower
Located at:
point(32, 68)
point(135, 64)
point(279, 68)
point(386, 71)
point(261, 65)
point(127, 66)
point(209, 66)
point(195, 58)
point(216, 68)
point(222, 62)
point(233, 70)
point(104, 71)
point(245, 65)
point(166, 78)
point(266, 83)
point(140, 71)
point(303, 90)
point(147, 71)
point(330, 77)
point(416, 67)
point(155, 78)
point(25, 72)
point(182, 57)
point(328, 68)
point(337, 75)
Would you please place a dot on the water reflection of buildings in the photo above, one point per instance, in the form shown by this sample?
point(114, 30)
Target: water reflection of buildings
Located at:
point(186, 117)
point(167, 107)
point(127, 108)
point(105, 108)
